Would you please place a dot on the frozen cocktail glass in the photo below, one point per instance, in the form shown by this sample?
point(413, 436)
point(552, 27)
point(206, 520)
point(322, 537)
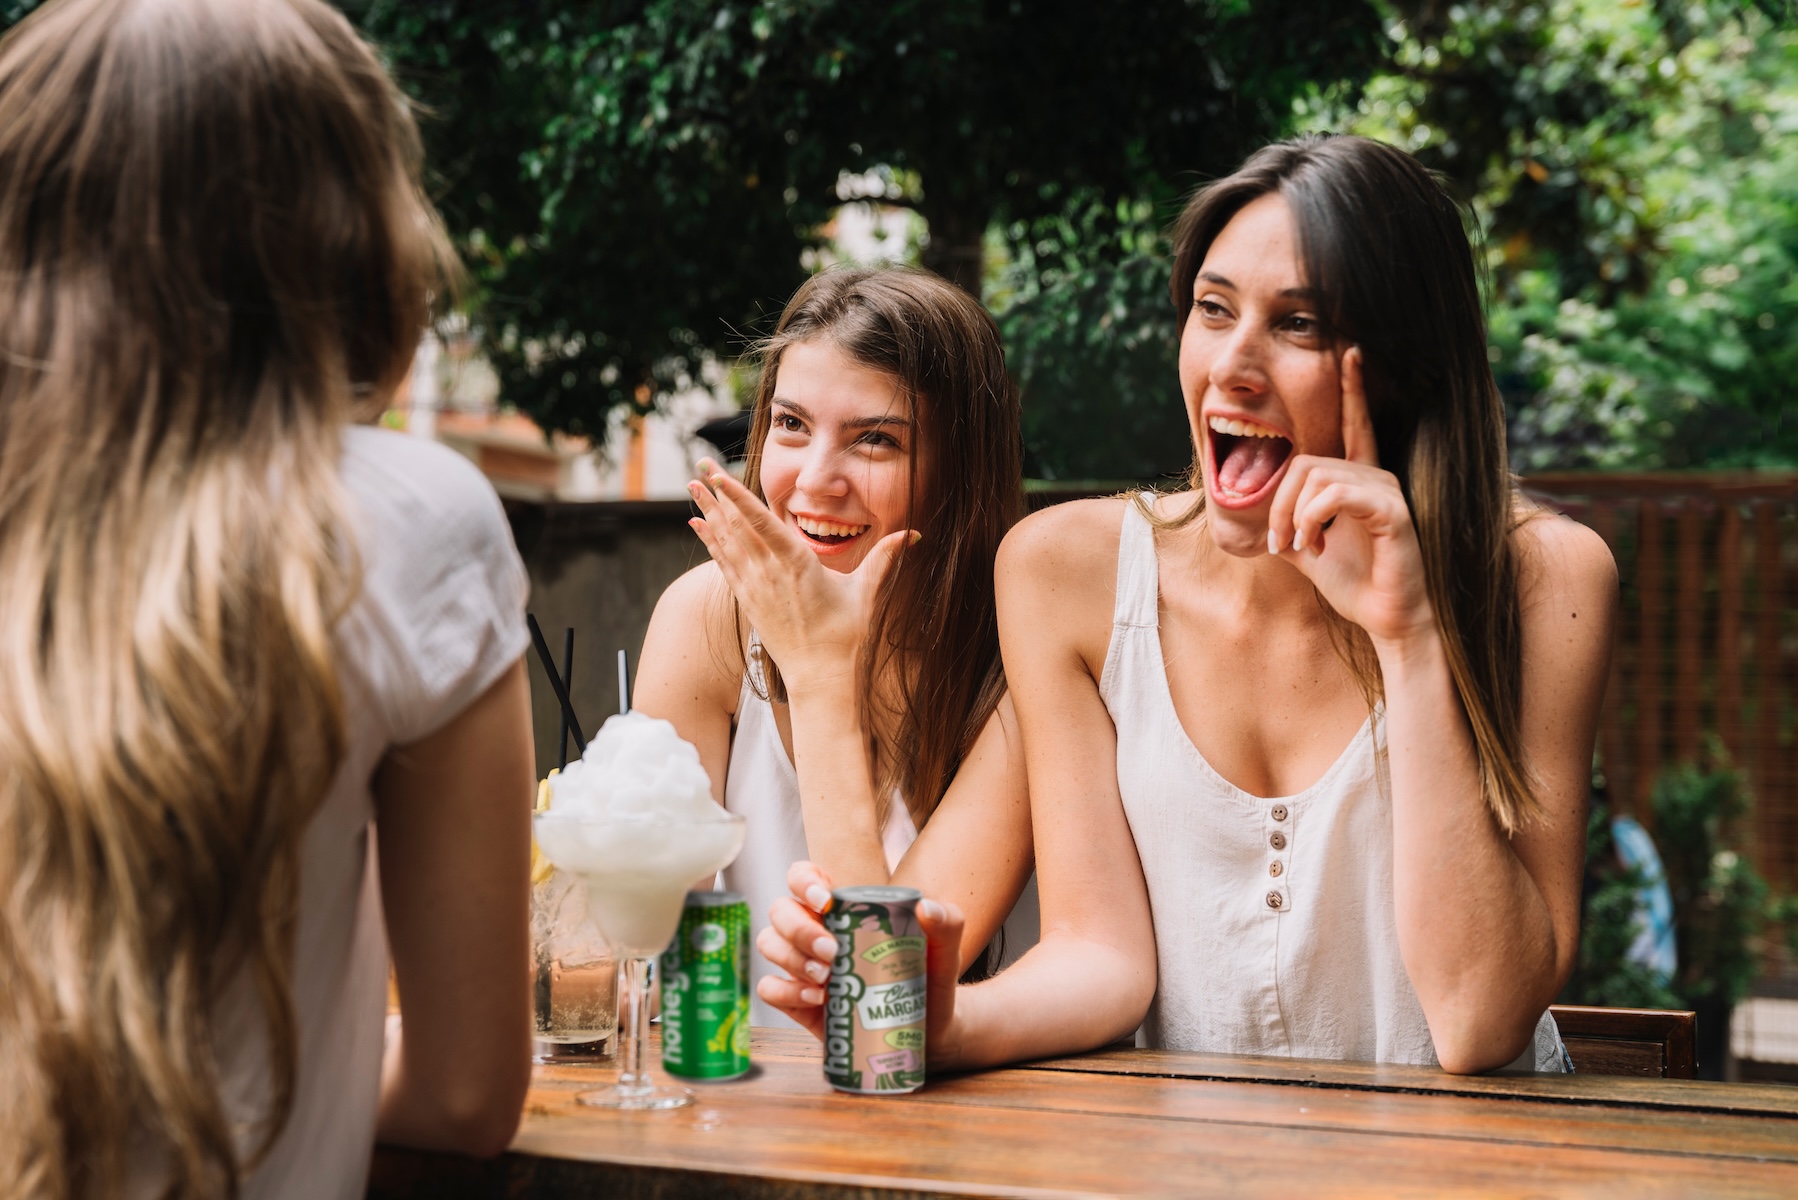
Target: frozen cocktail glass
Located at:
point(634, 821)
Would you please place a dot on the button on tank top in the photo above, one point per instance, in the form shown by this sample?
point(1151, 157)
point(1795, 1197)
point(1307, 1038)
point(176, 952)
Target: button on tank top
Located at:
point(1275, 931)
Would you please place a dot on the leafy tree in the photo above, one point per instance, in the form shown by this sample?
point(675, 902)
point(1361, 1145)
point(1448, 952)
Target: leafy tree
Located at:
point(635, 182)
point(1634, 167)
point(1094, 345)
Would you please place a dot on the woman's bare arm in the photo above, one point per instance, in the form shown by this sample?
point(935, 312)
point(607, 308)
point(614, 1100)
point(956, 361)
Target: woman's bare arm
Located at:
point(1488, 924)
point(1090, 979)
point(691, 668)
point(975, 852)
point(453, 831)
point(812, 621)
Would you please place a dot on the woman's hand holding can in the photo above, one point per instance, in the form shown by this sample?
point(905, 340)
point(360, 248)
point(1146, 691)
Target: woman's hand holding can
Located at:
point(797, 942)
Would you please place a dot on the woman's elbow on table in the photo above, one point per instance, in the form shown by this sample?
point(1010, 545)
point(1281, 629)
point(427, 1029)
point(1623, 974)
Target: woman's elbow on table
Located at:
point(1472, 1047)
point(482, 1122)
point(471, 1113)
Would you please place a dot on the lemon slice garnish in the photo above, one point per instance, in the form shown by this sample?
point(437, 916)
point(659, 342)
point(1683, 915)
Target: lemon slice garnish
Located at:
point(541, 867)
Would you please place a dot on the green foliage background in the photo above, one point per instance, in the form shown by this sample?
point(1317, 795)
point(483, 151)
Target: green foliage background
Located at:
point(1722, 908)
point(634, 181)
point(1635, 168)
point(1633, 171)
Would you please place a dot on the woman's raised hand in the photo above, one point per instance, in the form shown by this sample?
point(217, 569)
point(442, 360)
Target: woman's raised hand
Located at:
point(1345, 524)
point(811, 619)
point(797, 942)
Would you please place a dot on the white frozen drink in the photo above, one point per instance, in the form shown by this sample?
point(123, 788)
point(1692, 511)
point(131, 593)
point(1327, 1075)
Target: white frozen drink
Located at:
point(634, 818)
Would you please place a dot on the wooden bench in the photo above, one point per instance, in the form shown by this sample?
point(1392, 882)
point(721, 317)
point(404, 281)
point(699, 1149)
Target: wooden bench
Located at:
point(1652, 1042)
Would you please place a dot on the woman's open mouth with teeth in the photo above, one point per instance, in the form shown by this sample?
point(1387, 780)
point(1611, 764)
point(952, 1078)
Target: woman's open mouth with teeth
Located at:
point(828, 534)
point(1246, 458)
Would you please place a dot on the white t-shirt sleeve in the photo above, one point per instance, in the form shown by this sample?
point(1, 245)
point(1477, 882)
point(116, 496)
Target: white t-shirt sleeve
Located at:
point(440, 614)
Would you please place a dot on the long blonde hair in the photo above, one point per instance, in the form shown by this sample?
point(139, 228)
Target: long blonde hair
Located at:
point(213, 253)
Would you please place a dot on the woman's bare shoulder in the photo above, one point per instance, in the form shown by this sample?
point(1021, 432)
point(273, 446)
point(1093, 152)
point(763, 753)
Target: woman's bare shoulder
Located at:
point(1560, 559)
point(1056, 578)
point(1078, 535)
point(695, 633)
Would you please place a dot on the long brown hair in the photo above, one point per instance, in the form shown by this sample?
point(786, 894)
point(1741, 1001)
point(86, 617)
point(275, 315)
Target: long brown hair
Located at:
point(213, 252)
point(935, 629)
point(1385, 247)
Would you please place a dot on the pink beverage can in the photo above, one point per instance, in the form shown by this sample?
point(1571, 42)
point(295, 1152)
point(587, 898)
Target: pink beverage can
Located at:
point(874, 1007)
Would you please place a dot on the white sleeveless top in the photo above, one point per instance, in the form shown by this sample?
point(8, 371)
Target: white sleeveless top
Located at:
point(1275, 931)
point(440, 617)
point(761, 784)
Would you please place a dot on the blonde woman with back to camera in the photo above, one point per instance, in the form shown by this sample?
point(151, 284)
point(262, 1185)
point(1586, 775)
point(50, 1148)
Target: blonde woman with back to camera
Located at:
point(238, 628)
point(1308, 745)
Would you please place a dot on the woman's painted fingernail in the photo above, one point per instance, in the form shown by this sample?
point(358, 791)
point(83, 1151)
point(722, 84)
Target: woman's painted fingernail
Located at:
point(825, 947)
point(1298, 540)
point(931, 910)
point(818, 896)
point(1273, 542)
point(818, 971)
point(811, 995)
point(916, 537)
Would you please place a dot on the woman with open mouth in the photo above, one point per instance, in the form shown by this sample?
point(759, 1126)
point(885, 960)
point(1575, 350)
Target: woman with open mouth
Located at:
point(837, 662)
point(1309, 744)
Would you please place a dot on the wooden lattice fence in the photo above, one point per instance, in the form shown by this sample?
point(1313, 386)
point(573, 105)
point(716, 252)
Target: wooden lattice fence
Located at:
point(1708, 636)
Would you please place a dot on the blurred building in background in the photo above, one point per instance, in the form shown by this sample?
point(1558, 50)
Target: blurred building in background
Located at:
point(453, 397)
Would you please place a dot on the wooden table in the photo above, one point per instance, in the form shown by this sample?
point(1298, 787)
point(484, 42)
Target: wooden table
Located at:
point(1138, 1123)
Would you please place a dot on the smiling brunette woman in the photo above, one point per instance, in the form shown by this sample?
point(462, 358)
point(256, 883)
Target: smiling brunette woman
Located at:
point(1308, 745)
point(845, 692)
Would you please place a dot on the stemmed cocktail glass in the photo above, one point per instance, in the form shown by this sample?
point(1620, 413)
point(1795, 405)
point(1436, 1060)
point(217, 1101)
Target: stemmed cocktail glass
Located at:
point(637, 870)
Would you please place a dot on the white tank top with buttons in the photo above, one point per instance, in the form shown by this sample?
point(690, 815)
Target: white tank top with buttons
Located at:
point(1274, 925)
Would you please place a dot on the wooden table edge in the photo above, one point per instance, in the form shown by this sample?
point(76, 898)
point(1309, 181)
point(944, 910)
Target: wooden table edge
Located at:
point(1674, 1095)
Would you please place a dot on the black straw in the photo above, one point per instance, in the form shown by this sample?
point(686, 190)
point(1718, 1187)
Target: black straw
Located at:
point(568, 682)
point(555, 683)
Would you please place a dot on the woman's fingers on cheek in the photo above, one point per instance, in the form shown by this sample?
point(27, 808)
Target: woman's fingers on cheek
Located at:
point(1281, 514)
point(1358, 444)
point(1310, 515)
point(1325, 507)
point(1304, 523)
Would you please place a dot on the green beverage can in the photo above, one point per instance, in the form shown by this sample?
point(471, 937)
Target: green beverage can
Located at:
point(705, 989)
point(874, 1008)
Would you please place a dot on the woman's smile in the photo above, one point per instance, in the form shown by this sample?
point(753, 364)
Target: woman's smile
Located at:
point(828, 536)
point(1247, 459)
